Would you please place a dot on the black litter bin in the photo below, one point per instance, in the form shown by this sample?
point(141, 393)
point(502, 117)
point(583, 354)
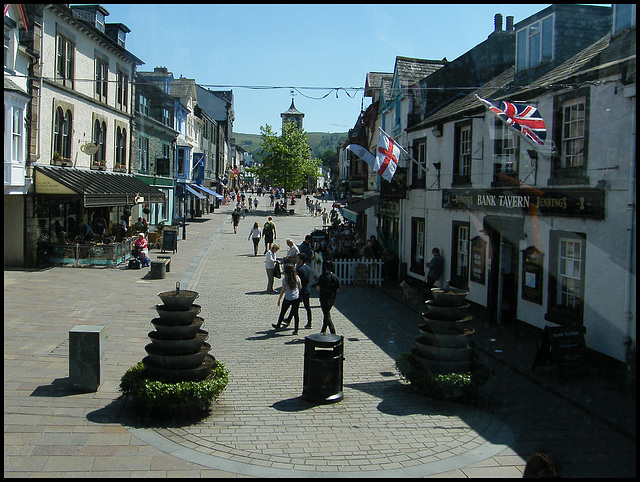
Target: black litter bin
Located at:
point(323, 359)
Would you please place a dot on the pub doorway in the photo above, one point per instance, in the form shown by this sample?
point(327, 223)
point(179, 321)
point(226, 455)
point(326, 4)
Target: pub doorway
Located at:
point(502, 291)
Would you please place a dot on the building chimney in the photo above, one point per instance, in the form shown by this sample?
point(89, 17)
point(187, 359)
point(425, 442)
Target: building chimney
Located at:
point(498, 22)
point(510, 25)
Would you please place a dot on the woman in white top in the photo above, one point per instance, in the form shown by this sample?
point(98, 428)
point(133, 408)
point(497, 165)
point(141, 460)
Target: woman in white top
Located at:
point(292, 252)
point(291, 288)
point(270, 265)
point(255, 234)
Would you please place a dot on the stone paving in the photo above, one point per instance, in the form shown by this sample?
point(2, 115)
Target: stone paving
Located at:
point(261, 426)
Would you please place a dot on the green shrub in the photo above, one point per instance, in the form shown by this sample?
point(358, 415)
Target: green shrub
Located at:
point(458, 386)
point(179, 398)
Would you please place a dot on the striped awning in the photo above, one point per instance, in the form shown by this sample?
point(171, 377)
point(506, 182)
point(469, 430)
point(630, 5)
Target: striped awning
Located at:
point(97, 188)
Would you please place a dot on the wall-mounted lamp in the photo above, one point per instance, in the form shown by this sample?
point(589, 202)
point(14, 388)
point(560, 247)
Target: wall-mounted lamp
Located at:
point(437, 131)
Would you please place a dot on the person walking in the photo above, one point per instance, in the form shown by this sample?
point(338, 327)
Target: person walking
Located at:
point(305, 247)
point(270, 265)
point(255, 234)
point(328, 285)
point(292, 252)
point(435, 265)
point(235, 215)
point(269, 234)
point(255, 203)
point(291, 288)
point(325, 217)
point(304, 273)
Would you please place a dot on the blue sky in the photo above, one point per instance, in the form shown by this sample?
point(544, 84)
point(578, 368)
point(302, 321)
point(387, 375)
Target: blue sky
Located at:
point(300, 45)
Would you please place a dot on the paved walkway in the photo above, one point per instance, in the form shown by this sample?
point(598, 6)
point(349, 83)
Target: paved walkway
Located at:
point(261, 427)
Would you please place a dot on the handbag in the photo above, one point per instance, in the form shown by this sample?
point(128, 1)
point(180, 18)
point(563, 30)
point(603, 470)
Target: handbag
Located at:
point(277, 273)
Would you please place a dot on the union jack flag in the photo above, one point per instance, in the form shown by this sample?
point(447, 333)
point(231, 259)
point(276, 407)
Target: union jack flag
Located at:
point(522, 117)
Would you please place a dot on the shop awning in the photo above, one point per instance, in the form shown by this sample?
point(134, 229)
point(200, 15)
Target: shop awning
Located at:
point(98, 188)
point(207, 190)
point(194, 192)
point(351, 213)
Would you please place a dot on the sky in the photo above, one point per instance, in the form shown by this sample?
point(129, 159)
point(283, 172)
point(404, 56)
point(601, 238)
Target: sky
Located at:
point(318, 49)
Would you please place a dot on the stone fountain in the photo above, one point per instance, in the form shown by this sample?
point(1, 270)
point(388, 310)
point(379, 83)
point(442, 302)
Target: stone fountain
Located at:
point(178, 350)
point(445, 344)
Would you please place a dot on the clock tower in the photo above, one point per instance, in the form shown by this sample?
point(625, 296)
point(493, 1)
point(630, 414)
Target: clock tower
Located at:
point(292, 114)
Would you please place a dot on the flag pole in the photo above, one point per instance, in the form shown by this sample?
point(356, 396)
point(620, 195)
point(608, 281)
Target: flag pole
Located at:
point(405, 151)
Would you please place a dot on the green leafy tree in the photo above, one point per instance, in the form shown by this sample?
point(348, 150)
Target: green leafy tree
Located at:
point(286, 159)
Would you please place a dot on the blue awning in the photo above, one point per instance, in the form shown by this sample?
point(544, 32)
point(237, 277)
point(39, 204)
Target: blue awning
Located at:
point(194, 192)
point(208, 191)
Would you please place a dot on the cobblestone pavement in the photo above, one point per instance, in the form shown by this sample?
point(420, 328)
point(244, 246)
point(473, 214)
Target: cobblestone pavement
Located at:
point(261, 426)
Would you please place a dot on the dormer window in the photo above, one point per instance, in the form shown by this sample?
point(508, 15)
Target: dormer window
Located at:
point(624, 17)
point(100, 21)
point(534, 44)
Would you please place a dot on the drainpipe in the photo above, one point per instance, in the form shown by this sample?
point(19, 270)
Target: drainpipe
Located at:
point(629, 342)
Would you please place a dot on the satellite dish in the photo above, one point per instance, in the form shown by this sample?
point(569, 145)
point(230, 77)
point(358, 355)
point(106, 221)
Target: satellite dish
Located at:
point(89, 148)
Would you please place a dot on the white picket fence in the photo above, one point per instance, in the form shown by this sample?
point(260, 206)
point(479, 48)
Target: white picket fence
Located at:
point(345, 269)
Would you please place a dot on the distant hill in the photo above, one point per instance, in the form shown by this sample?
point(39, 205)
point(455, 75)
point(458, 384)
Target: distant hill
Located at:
point(319, 142)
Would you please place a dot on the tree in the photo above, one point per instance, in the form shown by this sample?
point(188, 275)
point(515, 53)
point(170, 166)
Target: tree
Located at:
point(286, 159)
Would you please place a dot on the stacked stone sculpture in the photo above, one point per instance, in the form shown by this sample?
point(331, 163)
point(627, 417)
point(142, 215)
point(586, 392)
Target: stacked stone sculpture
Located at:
point(178, 351)
point(445, 345)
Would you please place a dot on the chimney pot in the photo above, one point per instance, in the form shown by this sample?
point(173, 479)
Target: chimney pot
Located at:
point(510, 25)
point(498, 22)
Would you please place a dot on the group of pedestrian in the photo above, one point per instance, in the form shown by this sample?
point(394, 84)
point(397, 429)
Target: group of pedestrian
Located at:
point(296, 289)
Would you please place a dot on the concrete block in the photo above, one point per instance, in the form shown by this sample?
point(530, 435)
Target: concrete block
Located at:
point(86, 357)
point(158, 269)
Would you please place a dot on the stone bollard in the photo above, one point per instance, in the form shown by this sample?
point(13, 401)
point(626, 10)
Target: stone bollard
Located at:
point(86, 357)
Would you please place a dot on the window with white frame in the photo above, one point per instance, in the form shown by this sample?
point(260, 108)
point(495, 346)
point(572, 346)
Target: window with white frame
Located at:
point(8, 50)
point(534, 44)
point(573, 132)
point(143, 152)
point(166, 116)
point(16, 136)
point(462, 160)
point(569, 273)
point(417, 245)
point(143, 104)
point(462, 252)
point(506, 150)
point(418, 175)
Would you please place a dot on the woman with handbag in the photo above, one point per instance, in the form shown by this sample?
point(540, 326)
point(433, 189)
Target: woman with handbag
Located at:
point(270, 264)
point(291, 289)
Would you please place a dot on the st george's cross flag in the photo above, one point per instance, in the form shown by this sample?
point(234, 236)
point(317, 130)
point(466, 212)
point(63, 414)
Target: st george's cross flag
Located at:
point(386, 162)
point(522, 117)
point(387, 158)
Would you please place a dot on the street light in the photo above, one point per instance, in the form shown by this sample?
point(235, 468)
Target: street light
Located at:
point(184, 222)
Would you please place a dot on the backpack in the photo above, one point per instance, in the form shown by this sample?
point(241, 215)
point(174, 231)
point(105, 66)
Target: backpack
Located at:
point(268, 227)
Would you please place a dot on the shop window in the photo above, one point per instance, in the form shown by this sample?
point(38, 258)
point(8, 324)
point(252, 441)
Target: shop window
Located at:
point(462, 154)
point(417, 246)
point(567, 261)
point(460, 255)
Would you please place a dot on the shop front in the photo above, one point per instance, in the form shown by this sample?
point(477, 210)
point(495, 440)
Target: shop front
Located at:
point(78, 214)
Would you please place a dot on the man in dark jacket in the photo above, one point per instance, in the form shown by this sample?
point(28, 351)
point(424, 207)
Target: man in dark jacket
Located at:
point(434, 273)
point(328, 285)
point(305, 247)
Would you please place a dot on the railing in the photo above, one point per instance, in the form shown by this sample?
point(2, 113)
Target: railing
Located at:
point(352, 271)
point(91, 254)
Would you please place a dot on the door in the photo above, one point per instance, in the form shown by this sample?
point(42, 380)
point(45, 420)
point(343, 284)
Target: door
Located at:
point(502, 292)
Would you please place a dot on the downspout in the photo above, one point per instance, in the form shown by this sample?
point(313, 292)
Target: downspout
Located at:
point(629, 342)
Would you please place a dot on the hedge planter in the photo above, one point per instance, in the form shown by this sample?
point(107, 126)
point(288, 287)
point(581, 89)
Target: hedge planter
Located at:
point(180, 399)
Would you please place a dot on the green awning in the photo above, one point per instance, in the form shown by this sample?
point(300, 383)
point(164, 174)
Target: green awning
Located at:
point(98, 188)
